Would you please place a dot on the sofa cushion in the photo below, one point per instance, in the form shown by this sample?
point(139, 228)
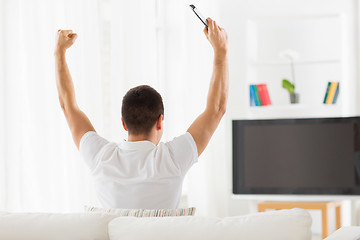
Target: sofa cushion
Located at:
point(275, 225)
point(345, 233)
point(45, 226)
point(143, 212)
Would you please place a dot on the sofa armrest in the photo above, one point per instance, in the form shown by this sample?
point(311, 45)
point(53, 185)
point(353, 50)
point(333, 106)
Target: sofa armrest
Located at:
point(345, 233)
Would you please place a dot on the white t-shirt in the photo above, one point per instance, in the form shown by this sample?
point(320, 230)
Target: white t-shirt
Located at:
point(138, 174)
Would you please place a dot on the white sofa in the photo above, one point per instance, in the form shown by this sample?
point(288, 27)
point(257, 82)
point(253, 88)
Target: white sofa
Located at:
point(276, 225)
point(345, 233)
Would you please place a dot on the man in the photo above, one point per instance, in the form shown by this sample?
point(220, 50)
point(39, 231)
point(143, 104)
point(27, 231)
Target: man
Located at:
point(140, 172)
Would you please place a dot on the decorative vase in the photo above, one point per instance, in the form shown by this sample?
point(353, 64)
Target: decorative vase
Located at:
point(294, 98)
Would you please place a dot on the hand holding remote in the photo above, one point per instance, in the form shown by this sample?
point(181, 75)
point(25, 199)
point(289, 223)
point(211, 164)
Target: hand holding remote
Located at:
point(217, 37)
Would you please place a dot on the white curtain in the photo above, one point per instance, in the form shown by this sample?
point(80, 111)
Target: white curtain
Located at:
point(121, 44)
point(41, 169)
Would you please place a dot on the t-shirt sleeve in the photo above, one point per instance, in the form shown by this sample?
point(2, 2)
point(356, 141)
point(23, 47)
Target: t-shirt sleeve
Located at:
point(91, 145)
point(183, 151)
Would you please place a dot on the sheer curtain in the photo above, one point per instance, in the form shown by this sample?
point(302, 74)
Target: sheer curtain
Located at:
point(121, 44)
point(41, 169)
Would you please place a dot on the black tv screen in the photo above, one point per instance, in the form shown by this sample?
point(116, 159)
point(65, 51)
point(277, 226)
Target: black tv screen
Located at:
point(319, 156)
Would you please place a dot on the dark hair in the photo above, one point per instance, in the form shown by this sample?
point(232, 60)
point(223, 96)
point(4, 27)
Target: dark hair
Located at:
point(141, 108)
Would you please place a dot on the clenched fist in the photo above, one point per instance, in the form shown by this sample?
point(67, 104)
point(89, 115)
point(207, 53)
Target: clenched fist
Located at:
point(64, 40)
point(217, 36)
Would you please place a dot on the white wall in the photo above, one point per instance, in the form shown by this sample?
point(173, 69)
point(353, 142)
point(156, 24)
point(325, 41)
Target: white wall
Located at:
point(2, 106)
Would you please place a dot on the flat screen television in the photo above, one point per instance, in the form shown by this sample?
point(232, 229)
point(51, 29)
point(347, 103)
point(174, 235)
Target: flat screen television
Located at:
point(319, 156)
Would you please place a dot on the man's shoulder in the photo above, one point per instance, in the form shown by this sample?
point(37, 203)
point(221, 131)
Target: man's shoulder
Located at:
point(182, 150)
point(183, 143)
point(183, 137)
point(94, 140)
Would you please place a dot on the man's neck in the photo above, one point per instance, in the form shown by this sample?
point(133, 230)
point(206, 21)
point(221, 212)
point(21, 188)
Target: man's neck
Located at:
point(136, 138)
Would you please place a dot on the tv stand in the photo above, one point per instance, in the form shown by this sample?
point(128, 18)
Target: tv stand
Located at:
point(323, 206)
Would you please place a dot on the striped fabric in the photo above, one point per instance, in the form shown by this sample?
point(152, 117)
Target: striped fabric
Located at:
point(144, 212)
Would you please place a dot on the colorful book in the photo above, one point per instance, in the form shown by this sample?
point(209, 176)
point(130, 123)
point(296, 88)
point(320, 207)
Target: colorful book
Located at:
point(257, 96)
point(327, 92)
point(336, 93)
point(264, 94)
point(332, 92)
point(267, 96)
point(252, 96)
point(255, 100)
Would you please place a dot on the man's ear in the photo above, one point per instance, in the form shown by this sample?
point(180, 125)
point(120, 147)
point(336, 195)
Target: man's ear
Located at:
point(159, 122)
point(123, 123)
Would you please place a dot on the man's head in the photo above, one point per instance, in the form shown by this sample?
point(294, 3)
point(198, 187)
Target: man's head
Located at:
point(142, 111)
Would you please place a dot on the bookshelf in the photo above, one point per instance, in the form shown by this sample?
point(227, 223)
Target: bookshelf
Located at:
point(303, 62)
point(321, 41)
point(294, 111)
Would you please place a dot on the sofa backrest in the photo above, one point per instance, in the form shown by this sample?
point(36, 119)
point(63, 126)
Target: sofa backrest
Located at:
point(39, 226)
point(274, 225)
point(292, 224)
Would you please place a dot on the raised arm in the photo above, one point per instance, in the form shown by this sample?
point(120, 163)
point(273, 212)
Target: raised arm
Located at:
point(205, 125)
point(78, 122)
